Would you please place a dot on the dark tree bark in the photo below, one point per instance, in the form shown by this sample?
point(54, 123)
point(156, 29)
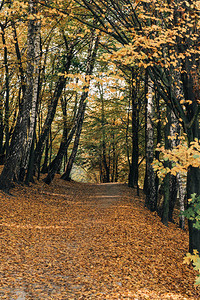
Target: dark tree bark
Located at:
point(92, 52)
point(174, 182)
point(66, 63)
point(161, 76)
point(173, 190)
point(66, 175)
point(35, 96)
point(55, 165)
point(114, 175)
point(133, 173)
point(158, 137)
point(50, 116)
point(7, 90)
point(105, 161)
point(46, 156)
point(11, 167)
point(193, 186)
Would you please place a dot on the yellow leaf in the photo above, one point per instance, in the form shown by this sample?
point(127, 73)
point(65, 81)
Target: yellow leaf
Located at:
point(187, 259)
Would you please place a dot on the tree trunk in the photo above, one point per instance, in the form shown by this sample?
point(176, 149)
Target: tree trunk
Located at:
point(52, 107)
point(191, 91)
point(49, 119)
point(151, 200)
point(66, 175)
point(166, 181)
point(11, 168)
point(158, 139)
point(106, 169)
point(174, 133)
point(173, 190)
point(133, 174)
point(193, 186)
point(55, 165)
point(92, 52)
point(33, 113)
point(7, 90)
point(182, 194)
point(45, 164)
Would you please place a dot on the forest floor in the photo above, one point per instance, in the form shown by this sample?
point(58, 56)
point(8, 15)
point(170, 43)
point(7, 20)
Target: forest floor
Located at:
point(72, 240)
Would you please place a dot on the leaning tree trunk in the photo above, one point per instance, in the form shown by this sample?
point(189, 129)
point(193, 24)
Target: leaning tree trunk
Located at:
point(66, 175)
point(49, 119)
point(45, 164)
point(64, 135)
point(12, 165)
point(55, 165)
point(52, 107)
point(92, 52)
point(151, 199)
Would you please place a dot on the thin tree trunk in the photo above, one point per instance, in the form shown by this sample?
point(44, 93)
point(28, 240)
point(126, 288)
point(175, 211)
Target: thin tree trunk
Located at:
point(45, 164)
point(158, 139)
point(64, 144)
point(49, 119)
point(1, 130)
point(106, 170)
point(7, 89)
point(92, 52)
point(151, 199)
point(182, 194)
point(174, 133)
point(52, 109)
point(133, 174)
point(66, 175)
point(166, 181)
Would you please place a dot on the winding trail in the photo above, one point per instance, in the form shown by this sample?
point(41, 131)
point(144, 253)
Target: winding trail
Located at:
point(89, 241)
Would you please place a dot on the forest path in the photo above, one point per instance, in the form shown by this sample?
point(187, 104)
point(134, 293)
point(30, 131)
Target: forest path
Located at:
point(107, 194)
point(88, 241)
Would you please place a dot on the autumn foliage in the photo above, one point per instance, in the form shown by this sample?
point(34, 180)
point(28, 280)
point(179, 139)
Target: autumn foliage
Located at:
point(97, 85)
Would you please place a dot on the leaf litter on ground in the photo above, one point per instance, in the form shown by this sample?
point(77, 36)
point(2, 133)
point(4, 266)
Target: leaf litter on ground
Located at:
point(73, 240)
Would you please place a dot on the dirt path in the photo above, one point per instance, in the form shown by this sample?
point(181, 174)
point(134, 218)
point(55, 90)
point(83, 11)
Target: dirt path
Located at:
point(107, 194)
point(87, 241)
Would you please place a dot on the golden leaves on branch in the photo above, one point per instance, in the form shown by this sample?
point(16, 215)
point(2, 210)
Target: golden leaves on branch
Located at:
point(182, 157)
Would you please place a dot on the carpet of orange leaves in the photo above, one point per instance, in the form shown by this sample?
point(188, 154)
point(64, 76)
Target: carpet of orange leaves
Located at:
point(85, 241)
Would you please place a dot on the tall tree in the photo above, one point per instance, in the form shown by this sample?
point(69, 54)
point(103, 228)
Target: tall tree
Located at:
point(150, 190)
point(166, 51)
point(19, 137)
point(35, 95)
point(92, 52)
